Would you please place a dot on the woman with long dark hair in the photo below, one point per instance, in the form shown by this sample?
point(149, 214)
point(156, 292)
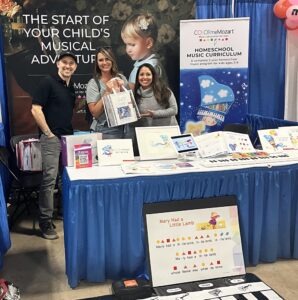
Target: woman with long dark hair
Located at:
point(156, 102)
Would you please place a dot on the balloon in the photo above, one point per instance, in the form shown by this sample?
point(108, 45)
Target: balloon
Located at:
point(292, 13)
point(280, 8)
point(287, 9)
point(291, 25)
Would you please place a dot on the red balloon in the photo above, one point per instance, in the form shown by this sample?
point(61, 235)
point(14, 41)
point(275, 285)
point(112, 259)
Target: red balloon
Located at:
point(291, 25)
point(280, 8)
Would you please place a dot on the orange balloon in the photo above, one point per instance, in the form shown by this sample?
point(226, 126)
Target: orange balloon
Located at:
point(280, 8)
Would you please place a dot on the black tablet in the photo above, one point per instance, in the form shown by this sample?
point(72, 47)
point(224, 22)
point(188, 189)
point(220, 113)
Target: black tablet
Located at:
point(184, 143)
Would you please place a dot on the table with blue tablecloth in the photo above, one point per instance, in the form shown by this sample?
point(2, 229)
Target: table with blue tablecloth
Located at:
point(103, 225)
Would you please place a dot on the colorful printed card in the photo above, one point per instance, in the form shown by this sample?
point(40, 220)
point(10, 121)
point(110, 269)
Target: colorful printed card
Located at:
point(211, 144)
point(238, 142)
point(114, 152)
point(192, 240)
point(275, 140)
point(82, 156)
point(292, 131)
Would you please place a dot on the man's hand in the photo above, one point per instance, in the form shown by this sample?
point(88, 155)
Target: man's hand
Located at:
point(39, 117)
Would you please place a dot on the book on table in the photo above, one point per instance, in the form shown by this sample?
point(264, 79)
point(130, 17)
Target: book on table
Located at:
point(82, 156)
point(223, 143)
point(275, 140)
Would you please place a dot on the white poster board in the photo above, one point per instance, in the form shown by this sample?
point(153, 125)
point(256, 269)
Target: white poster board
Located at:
point(192, 240)
point(155, 142)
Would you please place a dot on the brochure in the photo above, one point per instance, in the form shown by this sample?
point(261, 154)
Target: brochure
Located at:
point(223, 143)
point(82, 156)
point(142, 167)
point(138, 168)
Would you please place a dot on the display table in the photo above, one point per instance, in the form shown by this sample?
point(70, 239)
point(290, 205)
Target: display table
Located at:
point(103, 225)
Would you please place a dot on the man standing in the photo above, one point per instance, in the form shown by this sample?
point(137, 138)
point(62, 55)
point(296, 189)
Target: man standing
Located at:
point(52, 109)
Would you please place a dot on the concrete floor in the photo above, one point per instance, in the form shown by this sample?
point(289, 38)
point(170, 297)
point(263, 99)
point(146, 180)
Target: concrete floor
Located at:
point(37, 267)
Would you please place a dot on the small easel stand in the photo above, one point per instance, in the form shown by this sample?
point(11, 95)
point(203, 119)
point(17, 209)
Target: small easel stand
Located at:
point(188, 156)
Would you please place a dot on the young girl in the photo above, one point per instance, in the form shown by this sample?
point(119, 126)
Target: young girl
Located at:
point(106, 78)
point(157, 103)
point(139, 33)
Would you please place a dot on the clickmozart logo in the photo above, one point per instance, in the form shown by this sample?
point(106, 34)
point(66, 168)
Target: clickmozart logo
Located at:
point(214, 36)
point(206, 32)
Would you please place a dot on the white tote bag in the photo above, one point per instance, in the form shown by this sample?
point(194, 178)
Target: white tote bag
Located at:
point(120, 108)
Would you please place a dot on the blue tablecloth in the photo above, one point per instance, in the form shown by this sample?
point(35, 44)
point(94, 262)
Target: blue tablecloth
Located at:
point(103, 226)
point(4, 231)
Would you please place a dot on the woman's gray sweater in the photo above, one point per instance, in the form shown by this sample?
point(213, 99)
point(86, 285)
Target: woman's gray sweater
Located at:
point(161, 116)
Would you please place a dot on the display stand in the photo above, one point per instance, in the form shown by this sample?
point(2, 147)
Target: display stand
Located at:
point(189, 156)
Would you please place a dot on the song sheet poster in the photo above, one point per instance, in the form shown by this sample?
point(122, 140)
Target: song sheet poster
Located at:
point(213, 73)
point(195, 244)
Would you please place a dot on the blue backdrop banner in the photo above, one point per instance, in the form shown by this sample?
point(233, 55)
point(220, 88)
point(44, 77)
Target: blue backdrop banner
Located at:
point(266, 50)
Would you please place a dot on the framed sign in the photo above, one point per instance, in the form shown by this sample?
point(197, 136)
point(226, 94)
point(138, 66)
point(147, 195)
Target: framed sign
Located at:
point(155, 142)
point(193, 240)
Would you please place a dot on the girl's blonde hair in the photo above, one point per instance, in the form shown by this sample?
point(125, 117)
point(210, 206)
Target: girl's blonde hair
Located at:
point(140, 25)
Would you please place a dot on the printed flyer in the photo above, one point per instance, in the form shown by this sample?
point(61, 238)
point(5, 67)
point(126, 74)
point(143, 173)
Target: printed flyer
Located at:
point(213, 73)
